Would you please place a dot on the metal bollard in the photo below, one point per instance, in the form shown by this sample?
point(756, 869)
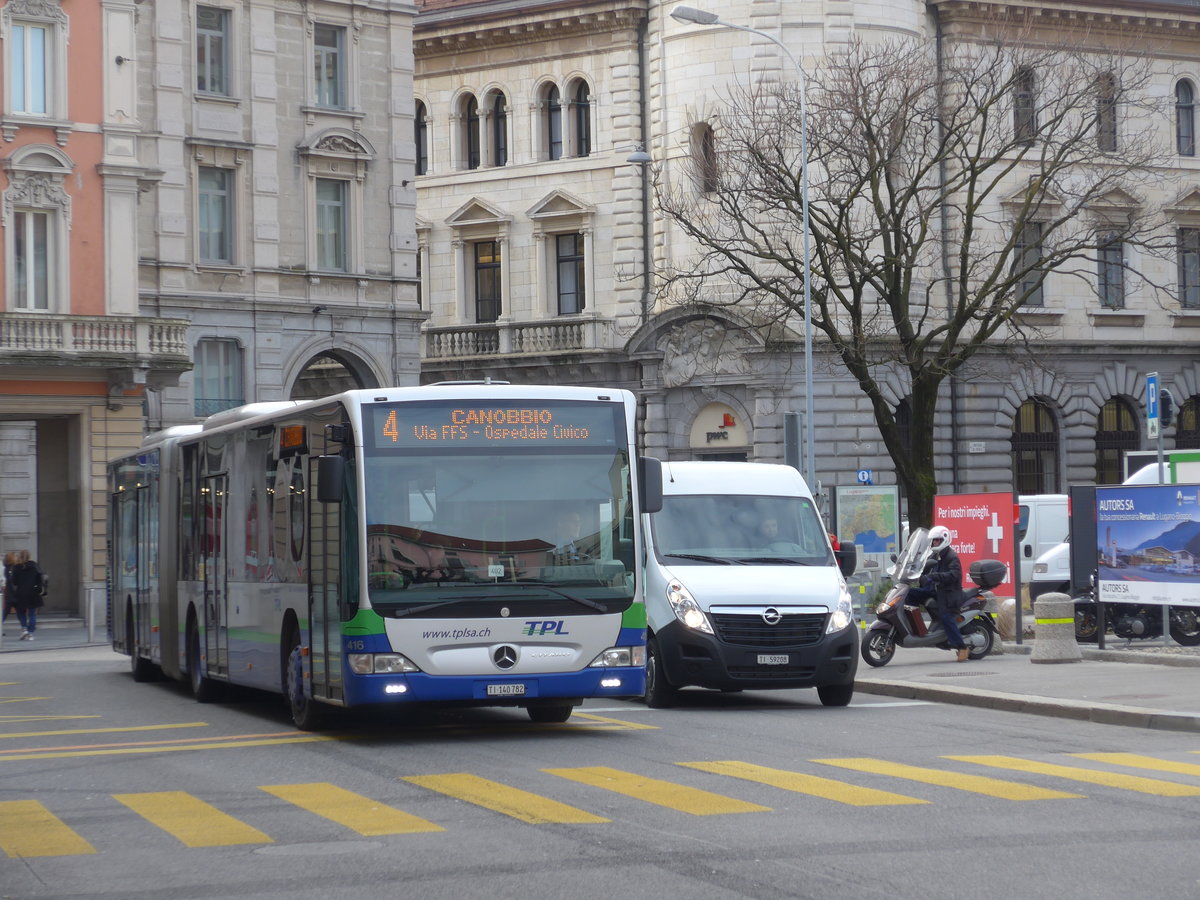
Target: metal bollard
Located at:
point(1054, 630)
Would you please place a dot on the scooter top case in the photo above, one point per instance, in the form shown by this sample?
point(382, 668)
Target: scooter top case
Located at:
point(987, 573)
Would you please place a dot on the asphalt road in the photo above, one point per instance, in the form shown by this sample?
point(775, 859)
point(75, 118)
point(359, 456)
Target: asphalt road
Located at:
point(110, 789)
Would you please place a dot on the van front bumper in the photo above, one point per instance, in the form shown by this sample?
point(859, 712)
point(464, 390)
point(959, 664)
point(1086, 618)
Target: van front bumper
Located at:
point(691, 657)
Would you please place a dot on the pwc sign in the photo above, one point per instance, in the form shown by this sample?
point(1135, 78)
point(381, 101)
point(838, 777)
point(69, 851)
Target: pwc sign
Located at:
point(982, 526)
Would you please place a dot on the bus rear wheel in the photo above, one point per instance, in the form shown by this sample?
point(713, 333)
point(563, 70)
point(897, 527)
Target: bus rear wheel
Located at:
point(141, 668)
point(204, 689)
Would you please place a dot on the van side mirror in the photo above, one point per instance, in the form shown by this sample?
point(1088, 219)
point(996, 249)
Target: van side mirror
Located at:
point(651, 481)
point(847, 559)
point(331, 470)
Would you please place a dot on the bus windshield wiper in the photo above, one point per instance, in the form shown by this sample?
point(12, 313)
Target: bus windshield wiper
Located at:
point(583, 601)
point(699, 557)
point(399, 612)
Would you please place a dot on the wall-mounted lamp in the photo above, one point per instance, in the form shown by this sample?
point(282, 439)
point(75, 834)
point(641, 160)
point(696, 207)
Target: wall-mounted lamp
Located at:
point(121, 60)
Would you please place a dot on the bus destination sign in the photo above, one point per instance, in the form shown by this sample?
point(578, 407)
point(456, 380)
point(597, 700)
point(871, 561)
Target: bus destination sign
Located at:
point(489, 424)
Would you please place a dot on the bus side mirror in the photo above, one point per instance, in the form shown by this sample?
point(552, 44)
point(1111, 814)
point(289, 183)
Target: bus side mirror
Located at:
point(650, 479)
point(331, 470)
point(847, 559)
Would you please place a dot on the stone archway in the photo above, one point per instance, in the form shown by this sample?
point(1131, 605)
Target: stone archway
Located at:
point(331, 372)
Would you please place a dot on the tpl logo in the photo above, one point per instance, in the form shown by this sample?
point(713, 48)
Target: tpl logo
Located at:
point(549, 626)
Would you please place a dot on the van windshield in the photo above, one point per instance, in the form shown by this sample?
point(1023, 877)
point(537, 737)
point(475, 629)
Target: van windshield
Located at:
point(731, 529)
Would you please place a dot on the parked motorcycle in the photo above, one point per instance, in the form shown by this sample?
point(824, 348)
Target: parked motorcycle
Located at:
point(1133, 621)
point(899, 624)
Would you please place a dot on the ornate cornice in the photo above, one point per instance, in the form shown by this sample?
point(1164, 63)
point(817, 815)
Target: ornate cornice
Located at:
point(486, 26)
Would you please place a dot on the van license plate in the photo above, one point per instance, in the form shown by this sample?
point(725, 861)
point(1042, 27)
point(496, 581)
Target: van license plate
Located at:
point(505, 690)
point(766, 659)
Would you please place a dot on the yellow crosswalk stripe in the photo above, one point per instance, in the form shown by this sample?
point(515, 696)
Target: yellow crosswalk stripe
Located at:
point(977, 784)
point(356, 812)
point(28, 829)
point(523, 805)
point(191, 820)
point(813, 785)
point(1136, 761)
point(663, 793)
point(1088, 776)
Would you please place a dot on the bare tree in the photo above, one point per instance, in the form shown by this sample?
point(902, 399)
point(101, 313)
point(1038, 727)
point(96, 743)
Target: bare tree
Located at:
point(946, 182)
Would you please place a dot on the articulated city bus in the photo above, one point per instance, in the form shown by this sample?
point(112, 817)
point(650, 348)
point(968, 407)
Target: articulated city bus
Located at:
point(389, 546)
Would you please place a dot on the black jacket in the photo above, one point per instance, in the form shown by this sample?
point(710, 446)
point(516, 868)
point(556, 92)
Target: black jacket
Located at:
point(945, 578)
point(26, 586)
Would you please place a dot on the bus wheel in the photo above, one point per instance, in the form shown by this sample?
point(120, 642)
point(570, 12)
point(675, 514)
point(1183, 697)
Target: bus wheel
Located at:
point(141, 668)
point(204, 689)
point(550, 713)
point(307, 715)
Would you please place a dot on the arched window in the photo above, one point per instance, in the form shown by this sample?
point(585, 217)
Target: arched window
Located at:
point(471, 142)
point(1185, 118)
point(581, 108)
point(1116, 432)
point(1187, 425)
point(421, 138)
point(704, 157)
point(1025, 105)
point(1035, 449)
point(499, 130)
point(552, 106)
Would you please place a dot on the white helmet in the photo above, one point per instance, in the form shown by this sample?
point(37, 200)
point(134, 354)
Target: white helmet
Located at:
point(939, 538)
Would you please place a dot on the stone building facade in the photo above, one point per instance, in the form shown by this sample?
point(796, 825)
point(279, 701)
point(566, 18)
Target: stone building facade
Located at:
point(280, 225)
point(520, 163)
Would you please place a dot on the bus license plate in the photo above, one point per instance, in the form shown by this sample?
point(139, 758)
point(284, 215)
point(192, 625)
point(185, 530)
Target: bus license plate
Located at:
point(767, 659)
point(505, 690)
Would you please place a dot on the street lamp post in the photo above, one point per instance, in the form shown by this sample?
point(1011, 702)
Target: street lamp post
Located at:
point(691, 15)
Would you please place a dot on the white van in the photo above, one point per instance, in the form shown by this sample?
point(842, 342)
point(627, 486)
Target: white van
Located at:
point(743, 589)
point(1042, 525)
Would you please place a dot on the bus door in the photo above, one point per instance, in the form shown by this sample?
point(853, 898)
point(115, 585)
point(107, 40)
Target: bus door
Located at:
point(324, 593)
point(130, 573)
point(216, 623)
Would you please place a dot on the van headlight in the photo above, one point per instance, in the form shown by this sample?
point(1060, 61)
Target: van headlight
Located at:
point(843, 613)
point(1040, 568)
point(687, 610)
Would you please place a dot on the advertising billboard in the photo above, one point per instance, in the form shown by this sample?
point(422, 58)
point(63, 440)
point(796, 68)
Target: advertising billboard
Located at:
point(982, 526)
point(1148, 543)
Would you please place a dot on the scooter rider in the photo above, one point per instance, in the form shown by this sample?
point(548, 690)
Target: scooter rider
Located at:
point(943, 582)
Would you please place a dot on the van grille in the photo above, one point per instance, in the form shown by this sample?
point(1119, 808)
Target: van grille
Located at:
point(791, 631)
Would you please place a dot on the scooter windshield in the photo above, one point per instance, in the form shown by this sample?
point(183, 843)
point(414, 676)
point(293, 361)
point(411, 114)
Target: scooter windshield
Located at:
point(912, 560)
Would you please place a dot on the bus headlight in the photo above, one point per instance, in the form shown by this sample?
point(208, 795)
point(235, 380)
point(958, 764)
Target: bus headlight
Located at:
point(687, 610)
point(620, 656)
point(843, 614)
point(380, 663)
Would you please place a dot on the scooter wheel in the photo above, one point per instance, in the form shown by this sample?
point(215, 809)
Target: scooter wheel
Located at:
point(979, 639)
point(878, 648)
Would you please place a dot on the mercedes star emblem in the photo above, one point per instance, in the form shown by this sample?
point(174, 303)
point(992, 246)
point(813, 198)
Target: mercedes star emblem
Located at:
point(504, 656)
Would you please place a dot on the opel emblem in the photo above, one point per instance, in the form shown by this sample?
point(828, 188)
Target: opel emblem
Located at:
point(772, 616)
point(504, 656)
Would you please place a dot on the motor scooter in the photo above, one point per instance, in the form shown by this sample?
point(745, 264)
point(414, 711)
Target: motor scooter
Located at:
point(900, 624)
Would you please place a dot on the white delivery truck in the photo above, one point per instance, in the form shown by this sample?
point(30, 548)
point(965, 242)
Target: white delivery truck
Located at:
point(743, 588)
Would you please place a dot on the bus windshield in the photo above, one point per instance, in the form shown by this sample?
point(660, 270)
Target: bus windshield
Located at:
point(728, 529)
point(468, 503)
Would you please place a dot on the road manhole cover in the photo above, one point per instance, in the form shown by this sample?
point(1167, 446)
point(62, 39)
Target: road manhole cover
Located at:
point(957, 674)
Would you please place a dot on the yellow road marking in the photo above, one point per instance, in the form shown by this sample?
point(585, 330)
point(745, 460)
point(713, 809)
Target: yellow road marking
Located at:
point(531, 808)
point(635, 726)
point(174, 748)
point(10, 720)
point(356, 812)
point(827, 788)
point(22, 699)
point(192, 821)
point(27, 734)
point(663, 793)
point(1088, 776)
point(976, 784)
point(28, 829)
point(147, 745)
point(1135, 761)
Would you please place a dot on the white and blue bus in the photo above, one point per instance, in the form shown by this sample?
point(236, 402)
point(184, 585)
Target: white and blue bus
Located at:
point(390, 546)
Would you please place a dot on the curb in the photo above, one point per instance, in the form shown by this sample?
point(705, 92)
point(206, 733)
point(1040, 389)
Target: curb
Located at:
point(1100, 713)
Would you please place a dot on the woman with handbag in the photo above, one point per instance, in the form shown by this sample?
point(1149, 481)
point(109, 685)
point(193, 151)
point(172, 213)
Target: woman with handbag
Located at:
point(27, 587)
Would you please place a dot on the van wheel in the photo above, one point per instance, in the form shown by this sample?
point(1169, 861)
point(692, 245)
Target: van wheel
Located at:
point(660, 693)
point(204, 689)
point(835, 694)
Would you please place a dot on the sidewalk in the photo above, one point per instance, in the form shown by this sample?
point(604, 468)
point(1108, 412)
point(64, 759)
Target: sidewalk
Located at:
point(1145, 684)
point(53, 633)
